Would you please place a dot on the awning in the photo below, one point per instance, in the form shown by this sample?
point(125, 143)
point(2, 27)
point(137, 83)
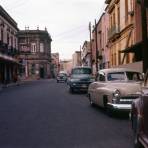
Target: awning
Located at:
point(8, 58)
point(133, 49)
point(136, 49)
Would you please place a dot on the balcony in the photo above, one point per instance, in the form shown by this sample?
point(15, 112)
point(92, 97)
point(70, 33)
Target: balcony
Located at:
point(7, 50)
point(12, 51)
point(114, 32)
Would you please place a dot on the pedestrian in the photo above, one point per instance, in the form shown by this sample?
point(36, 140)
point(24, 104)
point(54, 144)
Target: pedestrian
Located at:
point(14, 77)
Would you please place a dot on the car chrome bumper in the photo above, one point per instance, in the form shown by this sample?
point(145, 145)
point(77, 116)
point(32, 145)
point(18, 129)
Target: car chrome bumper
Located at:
point(123, 107)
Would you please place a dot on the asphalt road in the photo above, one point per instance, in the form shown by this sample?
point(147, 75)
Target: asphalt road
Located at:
point(43, 114)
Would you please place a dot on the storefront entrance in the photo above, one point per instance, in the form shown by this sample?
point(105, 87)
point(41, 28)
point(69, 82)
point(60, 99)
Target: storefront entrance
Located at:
point(42, 72)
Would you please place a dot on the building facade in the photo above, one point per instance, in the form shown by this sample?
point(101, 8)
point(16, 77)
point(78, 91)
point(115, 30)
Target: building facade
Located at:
point(66, 66)
point(55, 66)
point(102, 35)
point(86, 54)
point(76, 59)
point(8, 48)
point(35, 53)
point(121, 30)
point(125, 33)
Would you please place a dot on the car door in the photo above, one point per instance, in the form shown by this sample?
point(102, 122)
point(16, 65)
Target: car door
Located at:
point(97, 92)
point(92, 91)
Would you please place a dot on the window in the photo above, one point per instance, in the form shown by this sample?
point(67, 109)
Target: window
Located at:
point(134, 76)
point(118, 16)
point(117, 76)
point(2, 35)
point(8, 38)
point(33, 47)
point(41, 47)
point(12, 41)
point(126, 11)
point(33, 69)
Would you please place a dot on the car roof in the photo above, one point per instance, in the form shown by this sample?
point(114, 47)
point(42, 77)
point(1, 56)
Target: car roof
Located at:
point(109, 70)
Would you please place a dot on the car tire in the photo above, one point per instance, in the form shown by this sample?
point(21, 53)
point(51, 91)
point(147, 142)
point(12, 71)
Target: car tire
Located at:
point(90, 100)
point(71, 90)
point(108, 110)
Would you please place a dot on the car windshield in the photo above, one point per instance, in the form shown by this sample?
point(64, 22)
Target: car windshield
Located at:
point(134, 76)
point(62, 74)
point(116, 76)
point(81, 71)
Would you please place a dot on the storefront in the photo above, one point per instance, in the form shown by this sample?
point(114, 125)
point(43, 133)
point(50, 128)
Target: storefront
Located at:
point(8, 69)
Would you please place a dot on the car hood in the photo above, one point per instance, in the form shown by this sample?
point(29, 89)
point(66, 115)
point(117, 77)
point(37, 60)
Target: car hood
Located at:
point(126, 88)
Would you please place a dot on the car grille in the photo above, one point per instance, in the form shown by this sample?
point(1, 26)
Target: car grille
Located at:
point(84, 79)
point(127, 99)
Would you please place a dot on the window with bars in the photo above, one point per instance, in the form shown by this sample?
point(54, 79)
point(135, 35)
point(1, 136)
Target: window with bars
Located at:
point(41, 47)
point(33, 47)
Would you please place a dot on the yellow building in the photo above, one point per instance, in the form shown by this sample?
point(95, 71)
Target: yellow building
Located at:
point(121, 30)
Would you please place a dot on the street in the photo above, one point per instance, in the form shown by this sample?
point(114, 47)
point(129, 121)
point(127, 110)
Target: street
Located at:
point(43, 114)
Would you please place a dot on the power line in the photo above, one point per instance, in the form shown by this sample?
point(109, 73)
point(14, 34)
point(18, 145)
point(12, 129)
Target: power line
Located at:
point(16, 4)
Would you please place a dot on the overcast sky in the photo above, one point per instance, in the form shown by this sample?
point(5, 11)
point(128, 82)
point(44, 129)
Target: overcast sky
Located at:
point(66, 20)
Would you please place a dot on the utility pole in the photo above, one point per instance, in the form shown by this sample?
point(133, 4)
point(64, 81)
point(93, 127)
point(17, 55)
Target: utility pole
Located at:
point(91, 56)
point(144, 36)
point(96, 36)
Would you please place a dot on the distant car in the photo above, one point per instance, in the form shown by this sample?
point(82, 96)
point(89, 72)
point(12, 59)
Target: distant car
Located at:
point(61, 77)
point(80, 79)
point(115, 88)
point(139, 116)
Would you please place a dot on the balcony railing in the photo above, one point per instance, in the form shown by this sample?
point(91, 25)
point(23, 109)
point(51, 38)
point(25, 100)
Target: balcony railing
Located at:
point(114, 31)
point(8, 50)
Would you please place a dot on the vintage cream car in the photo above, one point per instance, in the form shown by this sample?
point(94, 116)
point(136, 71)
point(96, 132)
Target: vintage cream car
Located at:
point(115, 89)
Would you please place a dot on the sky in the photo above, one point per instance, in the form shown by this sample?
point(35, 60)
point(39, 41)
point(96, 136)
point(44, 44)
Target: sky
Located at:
point(66, 20)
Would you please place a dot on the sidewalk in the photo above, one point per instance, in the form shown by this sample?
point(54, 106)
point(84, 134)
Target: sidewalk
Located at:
point(22, 81)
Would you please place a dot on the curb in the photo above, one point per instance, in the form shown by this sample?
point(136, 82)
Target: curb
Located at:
point(3, 86)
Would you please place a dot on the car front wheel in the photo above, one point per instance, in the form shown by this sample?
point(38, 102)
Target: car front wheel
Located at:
point(107, 108)
point(71, 90)
point(90, 100)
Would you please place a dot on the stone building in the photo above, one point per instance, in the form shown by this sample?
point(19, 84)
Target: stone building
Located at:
point(8, 48)
point(35, 53)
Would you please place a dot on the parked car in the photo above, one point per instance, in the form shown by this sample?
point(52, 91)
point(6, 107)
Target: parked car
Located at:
point(115, 88)
point(80, 79)
point(61, 77)
point(139, 116)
